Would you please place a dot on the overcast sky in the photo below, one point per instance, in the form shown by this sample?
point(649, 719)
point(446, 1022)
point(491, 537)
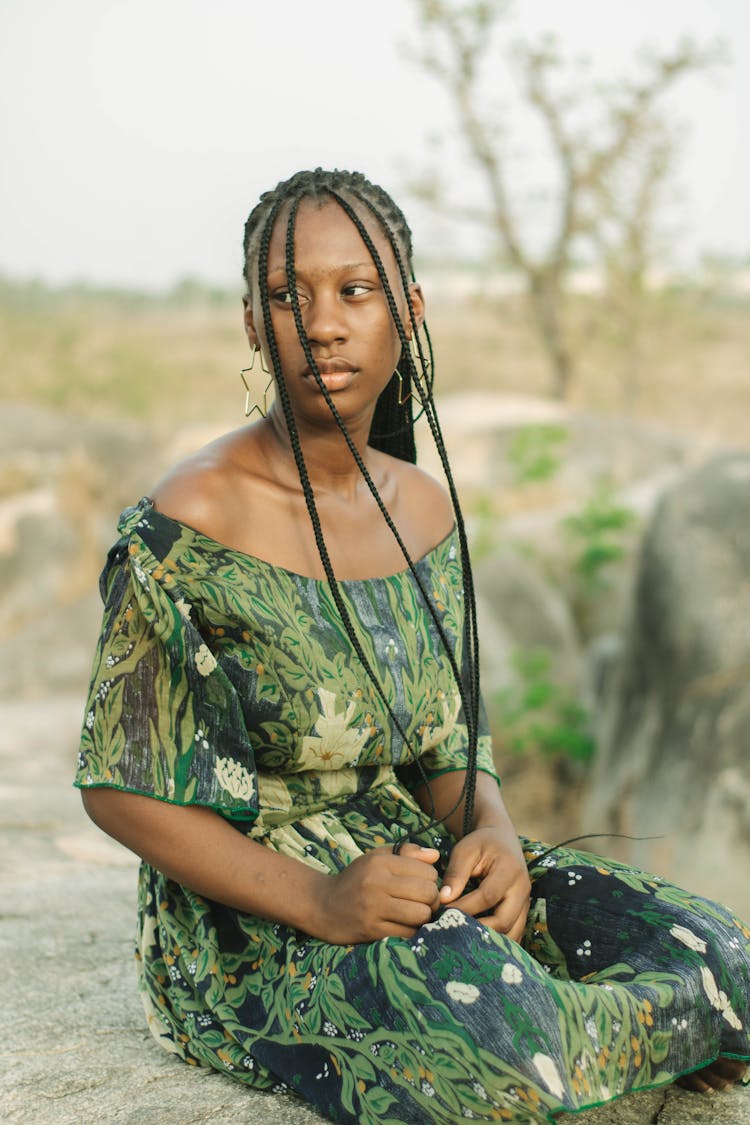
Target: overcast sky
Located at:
point(136, 134)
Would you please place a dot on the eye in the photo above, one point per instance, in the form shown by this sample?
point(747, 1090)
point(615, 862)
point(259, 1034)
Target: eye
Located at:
point(284, 297)
point(356, 289)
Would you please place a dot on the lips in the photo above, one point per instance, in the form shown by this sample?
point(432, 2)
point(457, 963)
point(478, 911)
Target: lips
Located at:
point(336, 373)
point(330, 367)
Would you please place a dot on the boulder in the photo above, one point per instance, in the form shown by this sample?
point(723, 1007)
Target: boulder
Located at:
point(673, 760)
point(519, 609)
point(63, 481)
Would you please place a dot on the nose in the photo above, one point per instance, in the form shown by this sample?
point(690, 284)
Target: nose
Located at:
point(324, 319)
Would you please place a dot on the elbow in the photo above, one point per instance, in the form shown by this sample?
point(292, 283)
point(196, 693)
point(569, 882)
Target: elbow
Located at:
point(101, 806)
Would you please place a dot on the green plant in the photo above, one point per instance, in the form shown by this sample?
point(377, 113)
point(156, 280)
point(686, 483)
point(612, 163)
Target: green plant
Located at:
point(534, 452)
point(598, 533)
point(484, 521)
point(538, 713)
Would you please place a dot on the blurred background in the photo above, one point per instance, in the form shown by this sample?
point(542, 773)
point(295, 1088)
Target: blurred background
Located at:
point(576, 177)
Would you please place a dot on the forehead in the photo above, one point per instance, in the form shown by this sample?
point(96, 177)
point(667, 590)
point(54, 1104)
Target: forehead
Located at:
point(325, 238)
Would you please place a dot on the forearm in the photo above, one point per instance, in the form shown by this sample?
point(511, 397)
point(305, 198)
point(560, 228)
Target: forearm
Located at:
point(197, 848)
point(489, 808)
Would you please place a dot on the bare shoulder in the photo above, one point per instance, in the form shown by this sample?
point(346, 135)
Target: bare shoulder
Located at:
point(425, 503)
point(201, 490)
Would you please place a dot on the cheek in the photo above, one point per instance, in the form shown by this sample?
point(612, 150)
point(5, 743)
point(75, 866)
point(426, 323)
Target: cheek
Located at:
point(285, 334)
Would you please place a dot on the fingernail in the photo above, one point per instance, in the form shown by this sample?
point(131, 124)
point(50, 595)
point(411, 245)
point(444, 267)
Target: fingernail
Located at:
point(445, 891)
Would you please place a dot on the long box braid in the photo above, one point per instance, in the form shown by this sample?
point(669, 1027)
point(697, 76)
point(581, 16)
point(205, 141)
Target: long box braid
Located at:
point(393, 412)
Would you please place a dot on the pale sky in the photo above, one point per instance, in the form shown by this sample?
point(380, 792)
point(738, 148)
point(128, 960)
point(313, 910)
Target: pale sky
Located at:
point(135, 135)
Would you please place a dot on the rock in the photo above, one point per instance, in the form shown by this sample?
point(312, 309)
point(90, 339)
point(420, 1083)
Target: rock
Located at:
point(479, 429)
point(52, 651)
point(73, 1037)
point(63, 481)
point(518, 609)
point(673, 760)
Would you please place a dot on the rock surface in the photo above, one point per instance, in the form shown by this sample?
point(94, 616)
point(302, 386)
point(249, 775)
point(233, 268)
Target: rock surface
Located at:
point(673, 755)
point(73, 1042)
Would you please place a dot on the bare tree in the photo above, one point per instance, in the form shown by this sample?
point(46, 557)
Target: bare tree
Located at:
point(611, 151)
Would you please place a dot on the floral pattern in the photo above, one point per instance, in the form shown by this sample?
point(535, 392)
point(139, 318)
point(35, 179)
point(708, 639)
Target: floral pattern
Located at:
point(222, 681)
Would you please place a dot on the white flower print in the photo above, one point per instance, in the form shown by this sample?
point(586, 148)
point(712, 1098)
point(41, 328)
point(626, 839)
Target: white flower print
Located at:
point(511, 974)
point(183, 608)
point(434, 735)
point(138, 572)
point(719, 999)
point(549, 1074)
point(688, 938)
point(449, 920)
point(462, 993)
point(334, 742)
point(205, 661)
point(235, 779)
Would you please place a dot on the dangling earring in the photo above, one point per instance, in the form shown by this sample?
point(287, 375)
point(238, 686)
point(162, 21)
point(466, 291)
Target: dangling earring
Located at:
point(400, 396)
point(249, 408)
point(423, 358)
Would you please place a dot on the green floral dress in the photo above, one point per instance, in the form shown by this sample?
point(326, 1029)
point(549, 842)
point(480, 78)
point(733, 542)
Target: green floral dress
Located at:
point(225, 682)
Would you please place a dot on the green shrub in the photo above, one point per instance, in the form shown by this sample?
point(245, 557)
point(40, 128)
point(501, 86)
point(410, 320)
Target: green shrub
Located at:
point(538, 713)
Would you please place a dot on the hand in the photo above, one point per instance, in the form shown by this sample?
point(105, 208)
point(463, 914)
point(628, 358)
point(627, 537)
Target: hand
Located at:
point(494, 858)
point(379, 895)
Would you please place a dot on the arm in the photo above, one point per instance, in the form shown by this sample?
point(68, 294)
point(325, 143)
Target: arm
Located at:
point(378, 895)
point(491, 854)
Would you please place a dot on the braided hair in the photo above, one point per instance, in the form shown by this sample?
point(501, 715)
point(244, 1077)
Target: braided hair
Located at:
point(392, 428)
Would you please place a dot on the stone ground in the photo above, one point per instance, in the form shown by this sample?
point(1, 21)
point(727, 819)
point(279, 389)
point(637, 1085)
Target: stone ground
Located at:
point(73, 1043)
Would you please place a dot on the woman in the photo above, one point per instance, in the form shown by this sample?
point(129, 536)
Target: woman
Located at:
point(285, 724)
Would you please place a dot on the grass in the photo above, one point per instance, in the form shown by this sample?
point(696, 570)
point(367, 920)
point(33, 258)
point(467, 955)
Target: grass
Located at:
point(104, 354)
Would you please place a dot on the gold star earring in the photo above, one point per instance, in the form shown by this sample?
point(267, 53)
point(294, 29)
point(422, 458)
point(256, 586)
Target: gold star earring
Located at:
point(250, 408)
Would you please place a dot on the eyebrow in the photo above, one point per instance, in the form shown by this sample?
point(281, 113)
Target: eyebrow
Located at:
point(343, 268)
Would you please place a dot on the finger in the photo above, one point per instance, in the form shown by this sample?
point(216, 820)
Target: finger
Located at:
point(410, 889)
point(394, 929)
point(514, 930)
point(518, 929)
point(416, 851)
point(405, 868)
point(407, 912)
point(478, 901)
point(504, 913)
point(456, 877)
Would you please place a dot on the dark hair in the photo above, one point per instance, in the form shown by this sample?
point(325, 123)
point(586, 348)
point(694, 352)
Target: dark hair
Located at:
point(392, 429)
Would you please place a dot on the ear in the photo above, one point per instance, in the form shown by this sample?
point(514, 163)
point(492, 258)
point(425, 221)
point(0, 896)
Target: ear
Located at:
point(416, 299)
point(250, 332)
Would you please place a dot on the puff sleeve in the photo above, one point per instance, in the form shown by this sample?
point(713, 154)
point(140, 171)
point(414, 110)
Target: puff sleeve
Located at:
point(162, 718)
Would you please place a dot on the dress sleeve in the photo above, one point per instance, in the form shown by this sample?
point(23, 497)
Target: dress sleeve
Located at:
point(162, 718)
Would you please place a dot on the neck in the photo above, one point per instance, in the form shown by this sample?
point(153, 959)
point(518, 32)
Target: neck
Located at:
point(329, 461)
